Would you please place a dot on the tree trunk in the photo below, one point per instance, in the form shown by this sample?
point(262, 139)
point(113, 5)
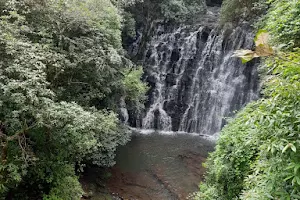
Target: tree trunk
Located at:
point(4, 152)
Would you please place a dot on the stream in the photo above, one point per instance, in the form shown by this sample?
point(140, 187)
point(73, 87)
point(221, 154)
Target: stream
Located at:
point(157, 166)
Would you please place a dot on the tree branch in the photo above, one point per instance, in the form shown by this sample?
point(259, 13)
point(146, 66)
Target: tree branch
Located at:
point(20, 133)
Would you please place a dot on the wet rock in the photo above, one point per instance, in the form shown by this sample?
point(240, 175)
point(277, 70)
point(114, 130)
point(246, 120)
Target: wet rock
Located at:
point(171, 79)
point(213, 2)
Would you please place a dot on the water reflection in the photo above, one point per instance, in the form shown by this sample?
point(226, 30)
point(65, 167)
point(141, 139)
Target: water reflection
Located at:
point(159, 166)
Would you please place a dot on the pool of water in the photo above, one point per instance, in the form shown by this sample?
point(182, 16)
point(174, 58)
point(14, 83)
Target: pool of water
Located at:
point(159, 166)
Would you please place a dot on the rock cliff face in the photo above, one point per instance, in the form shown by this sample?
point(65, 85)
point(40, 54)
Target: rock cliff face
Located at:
point(195, 83)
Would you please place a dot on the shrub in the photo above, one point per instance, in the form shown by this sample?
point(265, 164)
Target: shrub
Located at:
point(257, 155)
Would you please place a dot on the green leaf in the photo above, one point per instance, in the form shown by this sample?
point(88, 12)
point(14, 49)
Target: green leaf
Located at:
point(294, 149)
point(286, 147)
point(246, 59)
point(292, 166)
point(297, 167)
point(295, 196)
point(298, 180)
point(289, 177)
point(269, 196)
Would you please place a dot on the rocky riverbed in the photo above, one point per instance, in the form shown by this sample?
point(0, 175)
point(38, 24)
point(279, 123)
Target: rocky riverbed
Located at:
point(151, 167)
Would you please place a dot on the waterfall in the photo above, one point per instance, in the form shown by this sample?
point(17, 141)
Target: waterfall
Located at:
point(195, 82)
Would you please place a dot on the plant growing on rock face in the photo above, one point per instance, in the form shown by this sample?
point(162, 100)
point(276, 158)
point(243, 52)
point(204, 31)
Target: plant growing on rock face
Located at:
point(135, 90)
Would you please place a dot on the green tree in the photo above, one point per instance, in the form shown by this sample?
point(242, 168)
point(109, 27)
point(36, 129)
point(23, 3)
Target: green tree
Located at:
point(257, 154)
point(62, 75)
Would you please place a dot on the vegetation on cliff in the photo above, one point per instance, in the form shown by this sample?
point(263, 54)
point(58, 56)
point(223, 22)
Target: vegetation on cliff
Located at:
point(237, 11)
point(144, 16)
point(62, 75)
point(257, 155)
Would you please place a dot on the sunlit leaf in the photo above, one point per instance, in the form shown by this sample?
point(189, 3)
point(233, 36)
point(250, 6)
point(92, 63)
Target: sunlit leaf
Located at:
point(263, 50)
point(245, 55)
point(262, 37)
point(293, 148)
point(289, 177)
point(286, 147)
point(246, 59)
point(242, 52)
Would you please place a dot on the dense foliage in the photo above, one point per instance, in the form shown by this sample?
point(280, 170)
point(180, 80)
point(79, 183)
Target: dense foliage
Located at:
point(62, 77)
point(144, 16)
point(237, 11)
point(174, 10)
point(257, 155)
point(286, 28)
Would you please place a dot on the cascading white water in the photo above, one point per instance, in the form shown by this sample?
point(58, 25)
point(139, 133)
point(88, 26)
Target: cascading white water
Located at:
point(219, 85)
point(160, 70)
point(195, 81)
